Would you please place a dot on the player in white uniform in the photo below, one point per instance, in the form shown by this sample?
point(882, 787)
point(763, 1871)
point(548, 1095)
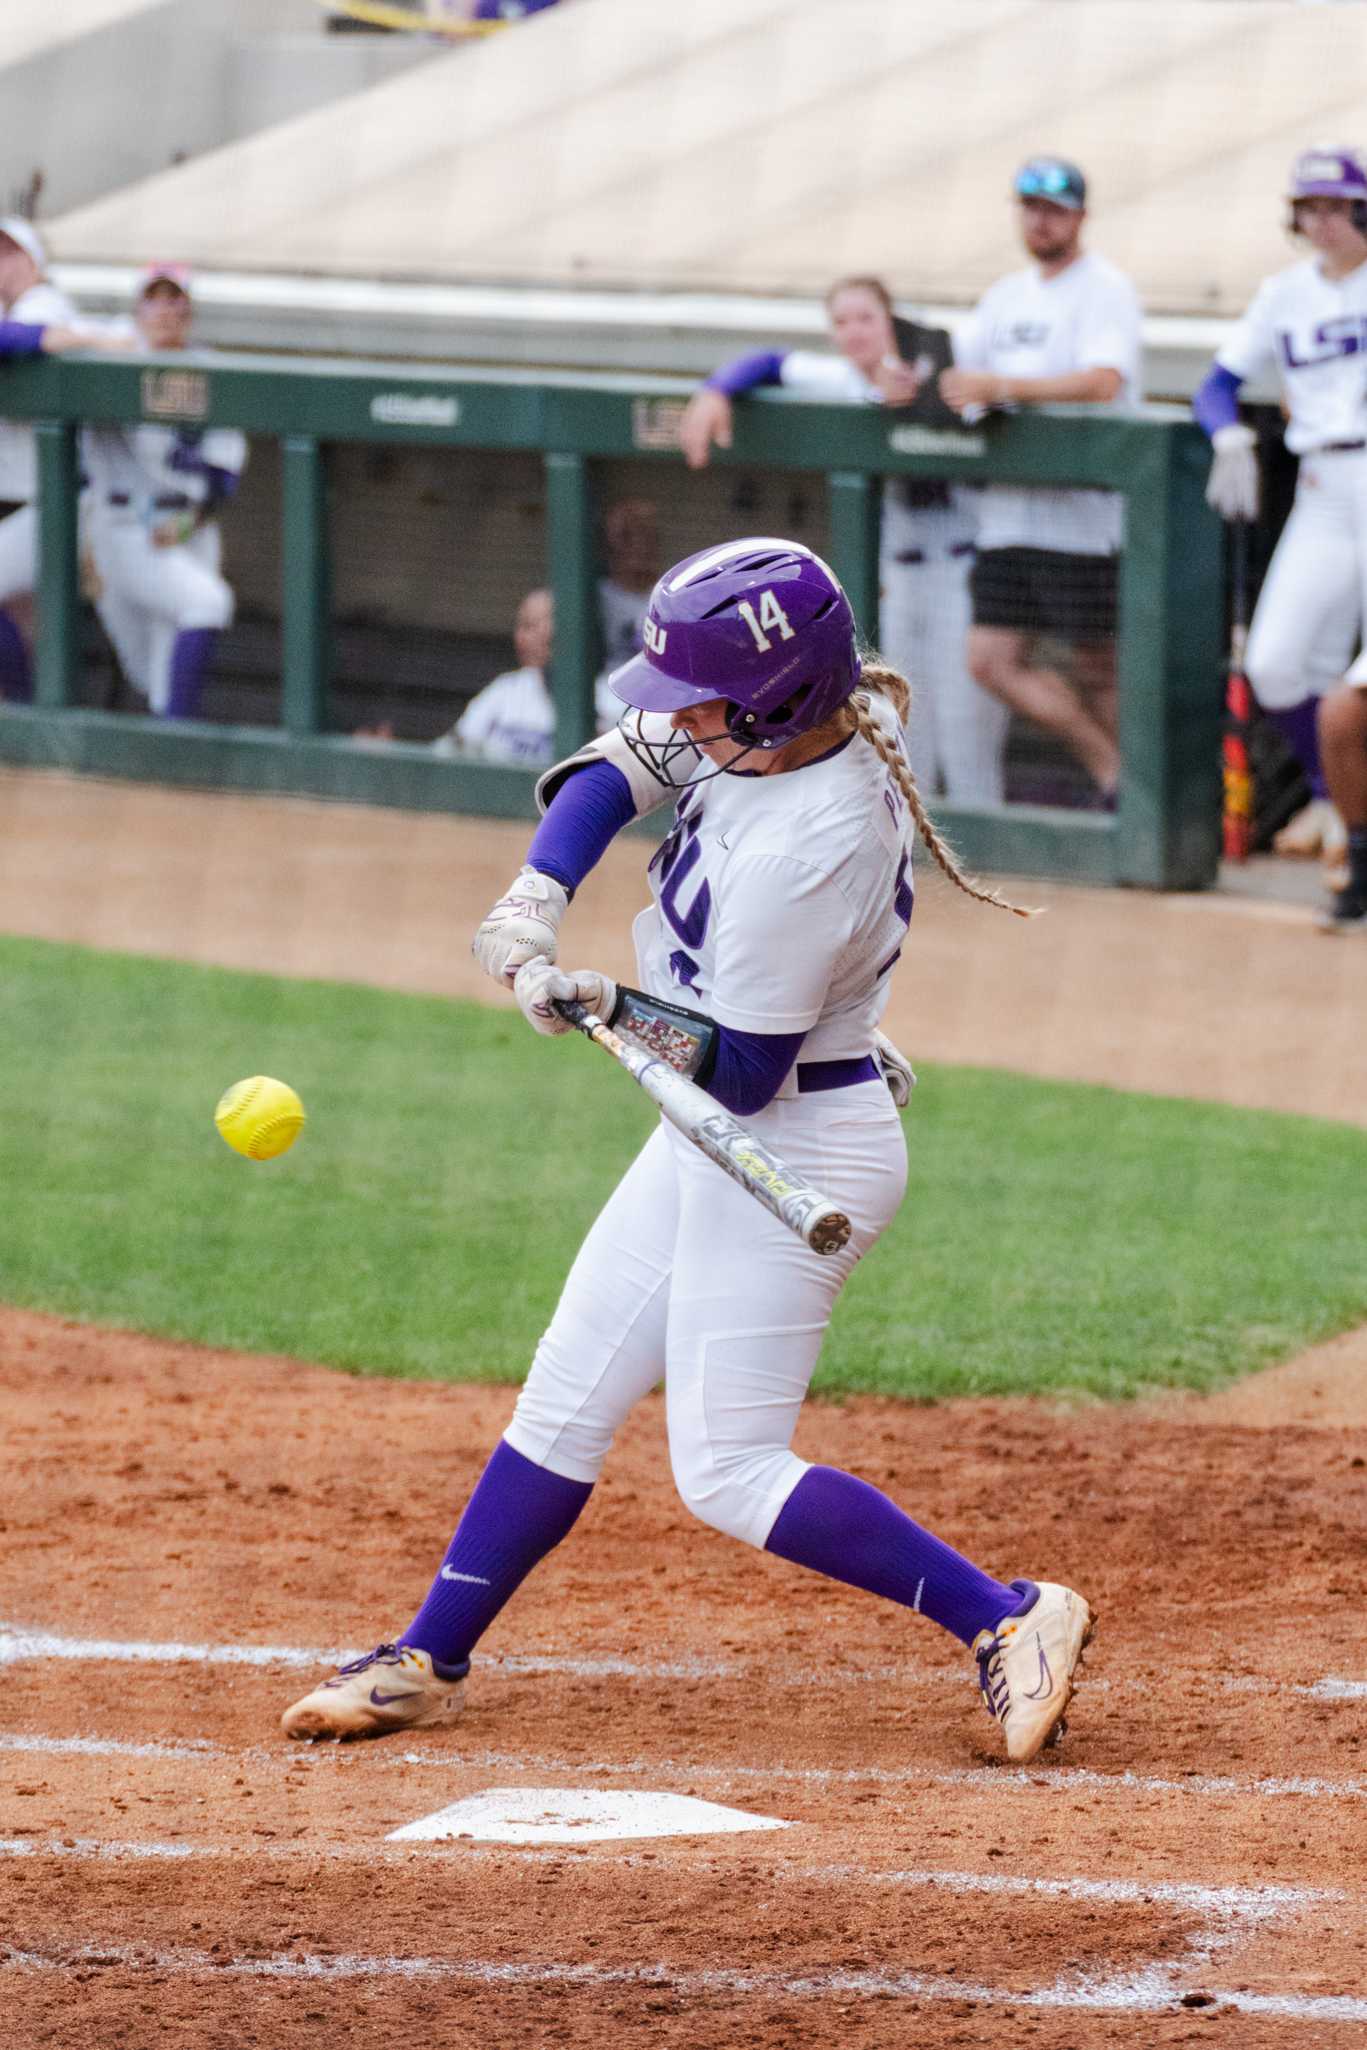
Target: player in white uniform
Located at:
point(1066, 329)
point(781, 900)
point(154, 493)
point(956, 734)
point(512, 720)
point(1310, 321)
point(37, 318)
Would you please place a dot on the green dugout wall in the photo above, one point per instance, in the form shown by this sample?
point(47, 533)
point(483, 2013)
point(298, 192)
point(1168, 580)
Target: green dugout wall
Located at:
point(1164, 835)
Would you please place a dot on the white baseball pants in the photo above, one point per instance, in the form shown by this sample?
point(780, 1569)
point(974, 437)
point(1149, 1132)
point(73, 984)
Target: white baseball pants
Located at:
point(956, 734)
point(18, 552)
point(685, 1276)
point(1309, 614)
point(152, 594)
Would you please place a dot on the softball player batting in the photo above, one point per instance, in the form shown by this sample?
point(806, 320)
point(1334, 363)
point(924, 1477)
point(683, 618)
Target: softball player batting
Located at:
point(1310, 320)
point(781, 900)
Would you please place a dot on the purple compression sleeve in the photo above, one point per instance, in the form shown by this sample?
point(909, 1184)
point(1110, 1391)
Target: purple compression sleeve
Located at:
point(1216, 400)
point(586, 813)
point(763, 366)
point(20, 338)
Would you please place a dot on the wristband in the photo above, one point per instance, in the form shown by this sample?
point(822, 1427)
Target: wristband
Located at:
point(684, 1040)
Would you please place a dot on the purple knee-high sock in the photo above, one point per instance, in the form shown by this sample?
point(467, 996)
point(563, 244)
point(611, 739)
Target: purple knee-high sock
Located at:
point(518, 1512)
point(842, 1527)
point(189, 660)
point(16, 676)
point(1299, 729)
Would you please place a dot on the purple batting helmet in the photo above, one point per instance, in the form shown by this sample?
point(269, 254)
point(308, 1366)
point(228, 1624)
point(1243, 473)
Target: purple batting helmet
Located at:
point(1328, 172)
point(760, 623)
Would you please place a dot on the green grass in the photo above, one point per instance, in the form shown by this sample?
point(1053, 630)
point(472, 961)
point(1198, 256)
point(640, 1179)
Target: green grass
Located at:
point(1054, 1236)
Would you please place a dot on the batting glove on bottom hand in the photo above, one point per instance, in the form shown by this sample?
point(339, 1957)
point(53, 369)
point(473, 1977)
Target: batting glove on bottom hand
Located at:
point(523, 926)
point(540, 986)
point(897, 1070)
point(1232, 487)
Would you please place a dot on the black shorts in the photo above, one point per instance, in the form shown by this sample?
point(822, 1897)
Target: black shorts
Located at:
point(1044, 591)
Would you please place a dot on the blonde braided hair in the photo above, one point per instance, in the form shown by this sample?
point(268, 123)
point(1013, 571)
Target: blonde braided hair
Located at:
point(877, 677)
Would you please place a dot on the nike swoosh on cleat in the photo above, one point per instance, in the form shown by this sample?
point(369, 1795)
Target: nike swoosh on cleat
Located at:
point(384, 1700)
point(476, 1579)
point(1046, 1680)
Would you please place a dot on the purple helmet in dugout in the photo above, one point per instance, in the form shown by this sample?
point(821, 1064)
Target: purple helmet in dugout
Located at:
point(760, 623)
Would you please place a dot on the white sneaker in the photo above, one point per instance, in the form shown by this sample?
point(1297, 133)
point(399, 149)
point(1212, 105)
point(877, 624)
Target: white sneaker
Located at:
point(393, 1687)
point(1026, 1667)
point(1312, 830)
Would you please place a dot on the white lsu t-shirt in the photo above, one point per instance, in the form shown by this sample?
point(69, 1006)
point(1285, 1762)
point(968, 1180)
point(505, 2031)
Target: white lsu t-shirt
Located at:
point(934, 530)
point(1087, 317)
point(512, 721)
point(781, 902)
point(42, 305)
point(1315, 331)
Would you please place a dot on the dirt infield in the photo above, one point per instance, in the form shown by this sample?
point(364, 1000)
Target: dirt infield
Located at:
point(186, 1531)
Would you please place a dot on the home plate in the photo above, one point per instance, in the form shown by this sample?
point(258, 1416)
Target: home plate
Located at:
point(555, 1815)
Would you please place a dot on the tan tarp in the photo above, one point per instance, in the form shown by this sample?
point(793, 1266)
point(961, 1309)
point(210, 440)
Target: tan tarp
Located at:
point(768, 145)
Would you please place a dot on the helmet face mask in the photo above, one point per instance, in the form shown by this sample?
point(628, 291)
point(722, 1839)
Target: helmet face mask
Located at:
point(761, 624)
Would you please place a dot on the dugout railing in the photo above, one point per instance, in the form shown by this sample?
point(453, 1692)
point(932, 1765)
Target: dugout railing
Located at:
point(1164, 834)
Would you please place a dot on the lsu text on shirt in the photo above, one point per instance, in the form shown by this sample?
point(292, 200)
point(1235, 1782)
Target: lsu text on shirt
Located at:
point(1087, 317)
point(781, 902)
point(1314, 329)
point(932, 529)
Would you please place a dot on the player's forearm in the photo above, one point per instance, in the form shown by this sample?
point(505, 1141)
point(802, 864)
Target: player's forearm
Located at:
point(587, 812)
point(1098, 386)
point(1216, 401)
point(20, 338)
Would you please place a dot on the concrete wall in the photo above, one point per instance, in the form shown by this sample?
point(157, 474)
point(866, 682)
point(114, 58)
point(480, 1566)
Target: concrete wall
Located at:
point(89, 113)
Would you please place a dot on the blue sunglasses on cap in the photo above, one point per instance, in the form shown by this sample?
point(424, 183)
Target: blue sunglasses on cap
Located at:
point(1051, 178)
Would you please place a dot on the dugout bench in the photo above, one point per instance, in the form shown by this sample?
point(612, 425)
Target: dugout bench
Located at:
point(1164, 835)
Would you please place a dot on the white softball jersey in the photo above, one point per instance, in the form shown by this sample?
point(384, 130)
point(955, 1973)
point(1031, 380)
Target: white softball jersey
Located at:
point(512, 721)
point(1314, 330)
point(145, 462)
point(1086, 317)
point(42, 305)
point(780, 903)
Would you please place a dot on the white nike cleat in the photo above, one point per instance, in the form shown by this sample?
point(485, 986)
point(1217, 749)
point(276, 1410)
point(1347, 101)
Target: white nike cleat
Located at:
point(393, 1687)
point(1027, 1665)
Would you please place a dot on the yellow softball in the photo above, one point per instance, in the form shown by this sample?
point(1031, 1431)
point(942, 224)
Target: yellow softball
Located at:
point(260, 1117)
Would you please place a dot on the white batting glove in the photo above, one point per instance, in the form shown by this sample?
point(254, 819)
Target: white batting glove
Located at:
point(540, 986)
point(523, 926)
point(897, 1070)
point(1232, 487)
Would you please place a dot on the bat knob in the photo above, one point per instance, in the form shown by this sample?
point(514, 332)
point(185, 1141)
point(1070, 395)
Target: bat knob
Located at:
point(828, 1231)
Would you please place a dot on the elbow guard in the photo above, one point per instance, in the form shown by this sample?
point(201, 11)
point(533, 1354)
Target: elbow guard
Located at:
point(648, 789)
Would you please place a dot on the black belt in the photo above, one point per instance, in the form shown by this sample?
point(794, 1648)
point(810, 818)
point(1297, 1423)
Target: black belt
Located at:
point(1338, 448)
point(173, 501)
point(921, 555)
point(813, 1075)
